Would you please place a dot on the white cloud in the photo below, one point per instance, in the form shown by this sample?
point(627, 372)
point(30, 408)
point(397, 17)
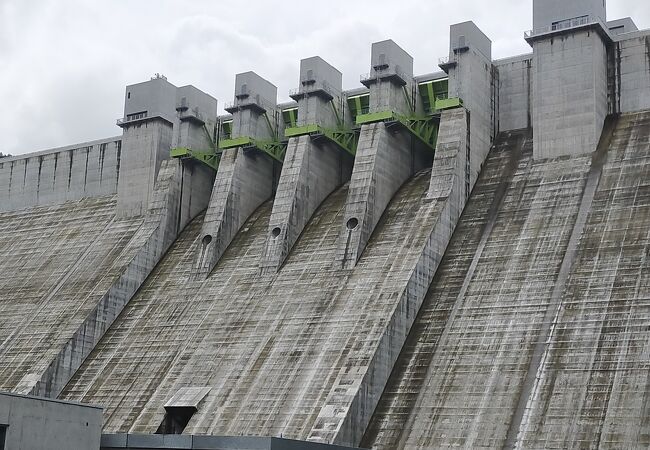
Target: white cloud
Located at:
point(65, 63)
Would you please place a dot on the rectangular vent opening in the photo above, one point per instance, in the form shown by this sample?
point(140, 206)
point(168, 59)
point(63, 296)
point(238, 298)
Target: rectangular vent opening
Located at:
point(175, 420)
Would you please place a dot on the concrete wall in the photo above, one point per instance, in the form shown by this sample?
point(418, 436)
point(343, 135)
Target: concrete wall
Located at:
point(570, 92)
point(467, 34)
point(632, 58)
point(515, 92)
point(358, 388)
point(385, 159)
point(388, 58)
point(175, 441)
point(52, 177)
point(166, 215)
point(145, 146)
point(311, 171)
point(244, 180)
point(156, 97)
point(42, 424)
point(620, 26)
point(471, 79)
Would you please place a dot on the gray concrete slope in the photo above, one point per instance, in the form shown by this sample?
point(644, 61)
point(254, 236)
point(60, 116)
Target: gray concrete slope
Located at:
point(56, 262)
point(270, 347)
point(465, 368)
point(593, 387)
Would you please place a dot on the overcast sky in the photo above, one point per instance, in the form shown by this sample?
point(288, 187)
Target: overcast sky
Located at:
point(64, 64)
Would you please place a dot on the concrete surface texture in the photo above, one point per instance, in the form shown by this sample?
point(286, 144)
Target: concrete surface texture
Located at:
point(472, 79)
point(311, 169)
point(310, 172)
point(245, 178)
point(491, 294)
point(515, 92)
point(632, 71)
point(390, 79)
point(570, 92)
point(59, 298)
point(301, 353)
point(518, 279)
point(31, 423)
point(56, 176)
point(145, 145)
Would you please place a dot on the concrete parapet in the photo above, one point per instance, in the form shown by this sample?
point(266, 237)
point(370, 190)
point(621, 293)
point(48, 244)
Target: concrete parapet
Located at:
point(311, 171)
point(384, 161)
point(161, 225)
point(52, 177)
point(358, 387)
point(245, 179)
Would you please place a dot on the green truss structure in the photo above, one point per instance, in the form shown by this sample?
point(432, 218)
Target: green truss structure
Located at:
point(209, 158)
point(275, 149)
point(345, 139)
point(425, 129)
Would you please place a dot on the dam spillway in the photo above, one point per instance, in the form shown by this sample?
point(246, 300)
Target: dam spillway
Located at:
point(456, 259)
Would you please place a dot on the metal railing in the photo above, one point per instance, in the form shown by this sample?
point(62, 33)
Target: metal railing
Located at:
point(375, 74)
point(566, 25)
point(253, 99)
point(322, 86)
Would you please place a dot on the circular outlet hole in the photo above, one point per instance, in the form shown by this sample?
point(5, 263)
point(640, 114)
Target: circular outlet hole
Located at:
point(207, 239)
point(352, 223)
point(276, 232)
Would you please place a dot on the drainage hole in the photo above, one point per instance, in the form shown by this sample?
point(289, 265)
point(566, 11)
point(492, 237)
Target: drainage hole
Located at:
point(352, 223)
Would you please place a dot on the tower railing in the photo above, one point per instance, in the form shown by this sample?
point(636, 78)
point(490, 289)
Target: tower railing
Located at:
point(568, 24)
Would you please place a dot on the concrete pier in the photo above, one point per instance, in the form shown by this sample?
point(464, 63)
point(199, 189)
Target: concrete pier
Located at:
point(472, 79)
point(570, 77)
point(312, 168)
point(359, 385)
point(157, 116)
point(385, 157)
point(246, 177)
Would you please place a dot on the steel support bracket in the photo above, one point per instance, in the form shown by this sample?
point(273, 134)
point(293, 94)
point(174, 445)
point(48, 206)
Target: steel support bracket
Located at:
point(209, 158)
point(345, 139)
point(424, 128)
point(275, 149)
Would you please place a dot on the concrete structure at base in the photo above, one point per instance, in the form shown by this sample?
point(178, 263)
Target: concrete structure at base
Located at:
point(246, 177)
point(185, 442)
point(32, 423)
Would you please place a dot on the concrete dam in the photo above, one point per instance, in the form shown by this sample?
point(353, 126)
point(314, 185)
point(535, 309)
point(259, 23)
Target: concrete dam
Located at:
point(458, 259)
